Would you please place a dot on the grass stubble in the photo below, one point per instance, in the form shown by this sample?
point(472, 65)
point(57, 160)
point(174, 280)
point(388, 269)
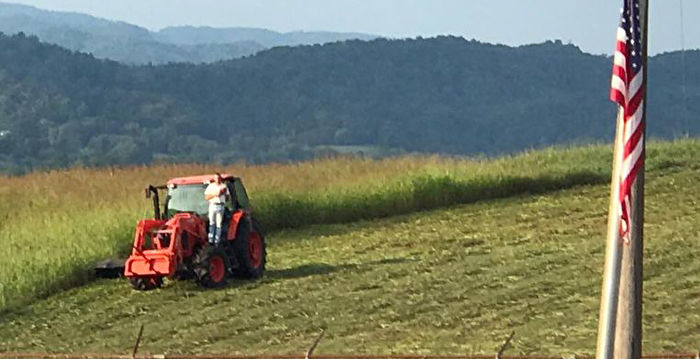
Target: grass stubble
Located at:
point(447, 281)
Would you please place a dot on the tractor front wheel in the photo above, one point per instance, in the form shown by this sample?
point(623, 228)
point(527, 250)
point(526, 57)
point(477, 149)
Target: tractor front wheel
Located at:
point(211, 267)
point(146, 283)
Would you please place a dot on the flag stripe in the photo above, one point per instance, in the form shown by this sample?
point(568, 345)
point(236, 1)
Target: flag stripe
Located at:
point(634, 148)
point(635, 84)
point(633, 123)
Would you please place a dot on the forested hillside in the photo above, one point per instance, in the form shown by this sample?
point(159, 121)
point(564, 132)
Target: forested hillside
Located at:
point(445, 94)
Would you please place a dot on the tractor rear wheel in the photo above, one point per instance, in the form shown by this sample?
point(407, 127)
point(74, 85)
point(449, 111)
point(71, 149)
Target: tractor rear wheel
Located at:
point(211, 267)
point(249, 247)
point(146, 283)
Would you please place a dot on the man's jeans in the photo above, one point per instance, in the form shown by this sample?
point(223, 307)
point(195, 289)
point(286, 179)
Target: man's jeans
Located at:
point(216, 217)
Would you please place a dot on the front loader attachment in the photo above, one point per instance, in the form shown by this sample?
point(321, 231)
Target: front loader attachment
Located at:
point(161, 246)
point(150, 263)
point(151, 254)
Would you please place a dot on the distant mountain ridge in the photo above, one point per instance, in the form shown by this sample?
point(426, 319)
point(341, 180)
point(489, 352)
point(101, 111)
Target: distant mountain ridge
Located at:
point(193, 35)
point(131, 44)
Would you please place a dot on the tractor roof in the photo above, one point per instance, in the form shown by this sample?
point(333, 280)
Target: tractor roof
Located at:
point(198, 179)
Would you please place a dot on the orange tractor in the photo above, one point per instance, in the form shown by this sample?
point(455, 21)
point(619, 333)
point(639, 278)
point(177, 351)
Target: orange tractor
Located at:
point(174, 243)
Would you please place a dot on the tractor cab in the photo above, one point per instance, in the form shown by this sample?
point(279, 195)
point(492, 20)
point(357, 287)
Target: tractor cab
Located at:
point(186, 195)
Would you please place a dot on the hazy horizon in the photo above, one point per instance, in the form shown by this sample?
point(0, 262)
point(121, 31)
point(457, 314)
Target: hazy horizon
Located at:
point(589, 25)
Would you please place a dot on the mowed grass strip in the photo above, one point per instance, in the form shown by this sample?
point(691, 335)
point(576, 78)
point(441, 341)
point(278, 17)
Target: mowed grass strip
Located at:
point(454, 280)
point(56, 224)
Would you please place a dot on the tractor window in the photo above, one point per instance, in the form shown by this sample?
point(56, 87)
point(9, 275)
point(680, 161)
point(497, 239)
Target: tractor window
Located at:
point(231, 202)
point(241, 195)
point(187, 198)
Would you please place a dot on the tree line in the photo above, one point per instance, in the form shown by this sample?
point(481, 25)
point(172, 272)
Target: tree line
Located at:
point(439, 95)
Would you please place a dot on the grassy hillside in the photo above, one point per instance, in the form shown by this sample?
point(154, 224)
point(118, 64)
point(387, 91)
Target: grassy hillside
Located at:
point(445, 281)
point(56, 224)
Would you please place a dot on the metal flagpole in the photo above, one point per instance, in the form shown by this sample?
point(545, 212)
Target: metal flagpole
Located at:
point(619, 327)
point(611, 276)
point(628, 329)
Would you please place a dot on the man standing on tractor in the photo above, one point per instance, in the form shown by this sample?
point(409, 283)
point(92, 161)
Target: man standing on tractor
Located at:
point(216, 193)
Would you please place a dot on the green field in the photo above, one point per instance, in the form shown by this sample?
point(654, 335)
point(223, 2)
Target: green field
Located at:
point(450, 280)
point(55, 225)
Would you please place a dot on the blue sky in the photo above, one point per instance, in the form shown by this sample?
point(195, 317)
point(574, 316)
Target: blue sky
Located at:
point(590, 24)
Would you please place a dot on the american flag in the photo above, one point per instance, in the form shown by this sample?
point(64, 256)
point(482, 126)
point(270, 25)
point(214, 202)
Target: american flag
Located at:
point(627, 90)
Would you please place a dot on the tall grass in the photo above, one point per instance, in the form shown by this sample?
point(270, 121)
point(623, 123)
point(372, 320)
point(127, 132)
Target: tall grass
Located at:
point(451, 280)
point(54, 225)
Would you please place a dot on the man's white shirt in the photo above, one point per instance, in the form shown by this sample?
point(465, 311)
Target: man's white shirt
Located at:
point(213, 189)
